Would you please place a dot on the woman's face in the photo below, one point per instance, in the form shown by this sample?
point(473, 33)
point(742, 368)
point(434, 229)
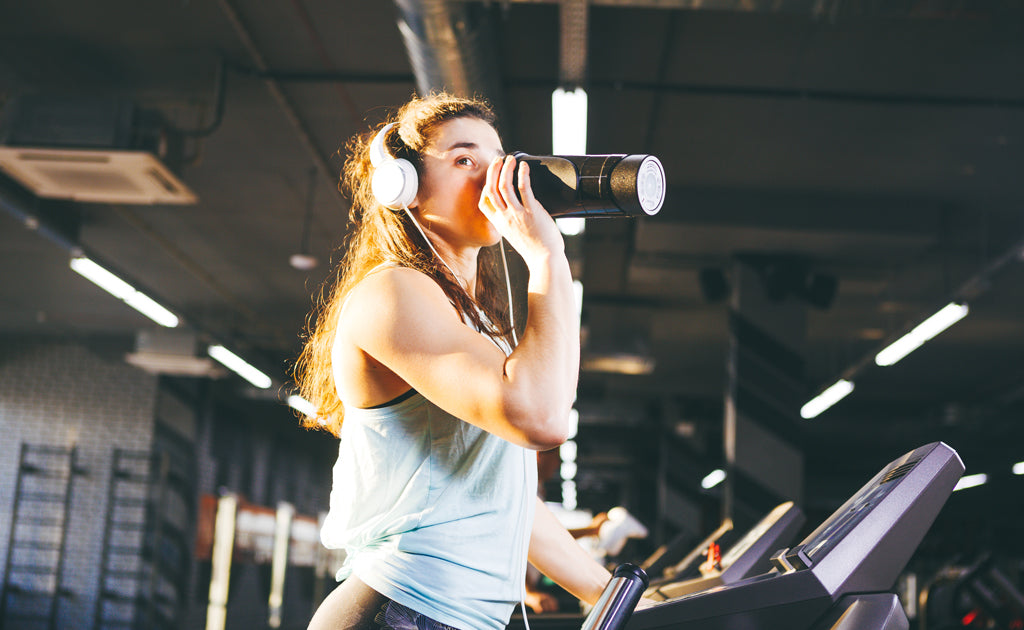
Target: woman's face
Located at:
point(452, 176)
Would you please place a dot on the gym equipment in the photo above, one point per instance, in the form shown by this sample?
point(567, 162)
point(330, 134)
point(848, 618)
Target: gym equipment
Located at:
point(975, 596)
point(618, 600)
point(662, 562)
point(849, 562)
point(749, 556)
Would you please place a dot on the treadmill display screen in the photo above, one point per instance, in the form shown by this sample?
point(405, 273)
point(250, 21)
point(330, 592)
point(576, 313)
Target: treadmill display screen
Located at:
point(862, 504)
point(754, 534)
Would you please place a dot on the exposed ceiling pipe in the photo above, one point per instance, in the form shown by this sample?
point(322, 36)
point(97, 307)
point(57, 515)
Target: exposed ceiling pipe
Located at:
point(572, 42)
point(830, 10)
point(816, 7)
point(446, 43)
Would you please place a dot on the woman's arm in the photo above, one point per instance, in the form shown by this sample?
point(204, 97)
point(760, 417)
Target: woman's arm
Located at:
point(402, 321)
point(557, 555)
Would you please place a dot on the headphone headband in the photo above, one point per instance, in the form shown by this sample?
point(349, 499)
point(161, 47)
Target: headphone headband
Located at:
point(378, 152)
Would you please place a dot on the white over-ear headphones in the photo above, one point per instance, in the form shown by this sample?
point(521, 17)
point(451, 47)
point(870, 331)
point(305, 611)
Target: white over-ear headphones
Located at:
point(394, 181)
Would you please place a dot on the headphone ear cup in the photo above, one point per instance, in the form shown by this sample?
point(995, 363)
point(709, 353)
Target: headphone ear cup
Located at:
point(395, 183)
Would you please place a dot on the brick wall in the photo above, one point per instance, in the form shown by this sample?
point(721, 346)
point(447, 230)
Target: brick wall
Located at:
point(63, 393)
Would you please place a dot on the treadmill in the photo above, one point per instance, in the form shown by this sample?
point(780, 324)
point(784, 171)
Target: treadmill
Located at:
point(662, 566)
point(839, 577)
point(749, 556)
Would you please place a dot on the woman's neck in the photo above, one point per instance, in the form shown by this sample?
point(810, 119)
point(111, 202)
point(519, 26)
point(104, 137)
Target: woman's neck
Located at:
point(460, 261)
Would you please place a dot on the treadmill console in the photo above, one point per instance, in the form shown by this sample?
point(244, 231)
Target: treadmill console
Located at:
point(860, 549)
point(749, 556)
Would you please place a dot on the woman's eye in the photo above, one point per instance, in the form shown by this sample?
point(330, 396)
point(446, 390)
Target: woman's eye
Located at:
point(465, 161)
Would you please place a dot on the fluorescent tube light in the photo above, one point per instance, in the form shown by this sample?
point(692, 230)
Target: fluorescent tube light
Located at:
point(303, 406)
point(237, 365)
point(571, 226)
point(567, 451)
point(836, 392)
point(124, 291)
point(569, 137)
point(569, 122)
point(151, 309)
point(568, 471)
point(574, 423)
point(618, 363)
point(946, 317)
point(1018, 468)
point(970, 481)
point(569, 495)
point(713, 478)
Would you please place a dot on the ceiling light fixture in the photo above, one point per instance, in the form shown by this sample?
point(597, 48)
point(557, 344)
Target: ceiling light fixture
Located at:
point(567, 451)
point(303, 406)
point(971, 481)
point(123, 291)
point(712, 479)
point(1018, 468)
point(629, 363)
point(239, 366)
point(833, 394)
point(569, 137)
point(304, 261)
point(929, 328)
point(571, 226)
point(569, 122)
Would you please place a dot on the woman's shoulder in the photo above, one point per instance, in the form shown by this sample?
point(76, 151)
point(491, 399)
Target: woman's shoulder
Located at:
point(394, 286)
point(394, 278)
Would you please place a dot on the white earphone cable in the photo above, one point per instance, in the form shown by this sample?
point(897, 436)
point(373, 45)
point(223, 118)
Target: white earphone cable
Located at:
point(430, 244)
point(504, 264)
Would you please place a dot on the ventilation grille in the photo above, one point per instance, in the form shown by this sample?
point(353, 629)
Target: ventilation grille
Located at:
point(104, 176)
point(172, 352)
point(898, 472)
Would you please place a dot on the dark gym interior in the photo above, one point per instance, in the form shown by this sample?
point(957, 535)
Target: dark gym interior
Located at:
point(837, 172)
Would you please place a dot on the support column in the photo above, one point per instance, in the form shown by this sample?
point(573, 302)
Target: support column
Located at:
point(764, 390)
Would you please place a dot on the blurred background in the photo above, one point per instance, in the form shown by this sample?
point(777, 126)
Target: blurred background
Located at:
point(838, 171)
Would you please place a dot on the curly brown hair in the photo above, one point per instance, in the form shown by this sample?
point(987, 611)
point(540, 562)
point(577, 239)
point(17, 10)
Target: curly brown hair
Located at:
point(381, 236)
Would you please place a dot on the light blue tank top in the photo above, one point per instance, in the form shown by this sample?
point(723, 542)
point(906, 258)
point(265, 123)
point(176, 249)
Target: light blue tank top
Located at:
point(433, 512)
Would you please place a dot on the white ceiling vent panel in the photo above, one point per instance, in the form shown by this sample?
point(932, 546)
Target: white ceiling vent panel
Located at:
point(96, 176)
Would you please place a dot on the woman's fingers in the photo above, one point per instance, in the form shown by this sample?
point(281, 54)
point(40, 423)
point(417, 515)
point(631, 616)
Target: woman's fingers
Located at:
point(491, 198)
point(505, 187)
point(500, 187)
point(525, 189)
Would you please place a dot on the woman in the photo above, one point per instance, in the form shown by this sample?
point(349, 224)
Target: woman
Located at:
point(434, 488)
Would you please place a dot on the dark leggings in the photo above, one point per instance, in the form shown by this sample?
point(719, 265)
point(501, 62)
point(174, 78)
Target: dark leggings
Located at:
point(355, 606)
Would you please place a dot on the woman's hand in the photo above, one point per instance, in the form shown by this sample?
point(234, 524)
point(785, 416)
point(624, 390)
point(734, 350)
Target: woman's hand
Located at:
point(521, 219)
point(540, 602)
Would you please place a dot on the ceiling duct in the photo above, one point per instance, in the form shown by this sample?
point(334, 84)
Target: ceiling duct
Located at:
point(171, 352)
point(101, 150)
point(446, 43)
